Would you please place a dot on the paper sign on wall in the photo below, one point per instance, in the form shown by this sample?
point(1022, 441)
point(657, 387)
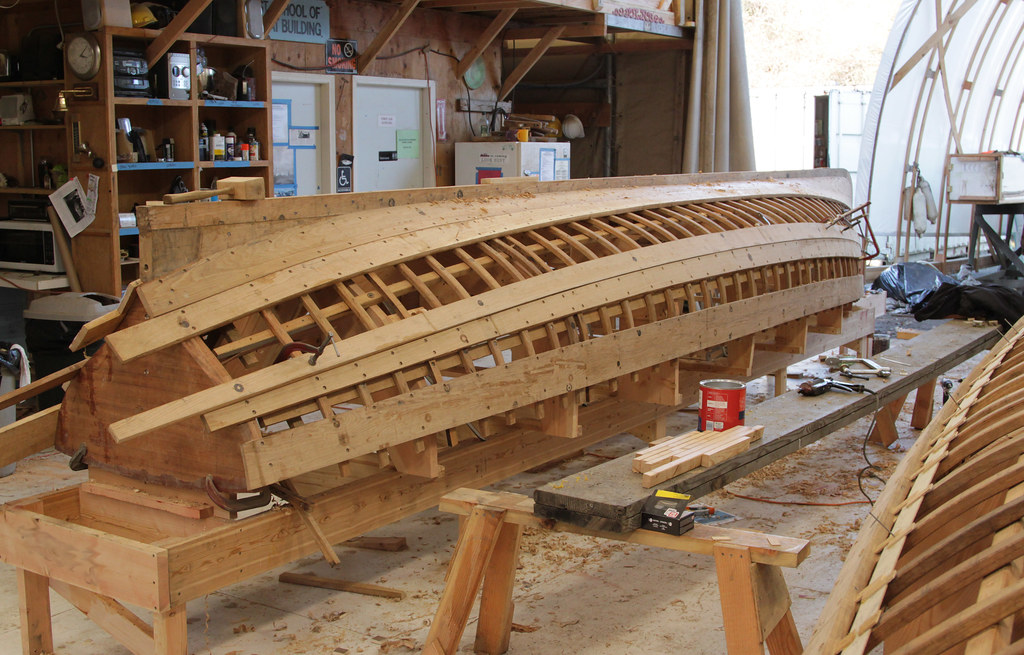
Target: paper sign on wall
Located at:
point(408, 144)
point(385, 120)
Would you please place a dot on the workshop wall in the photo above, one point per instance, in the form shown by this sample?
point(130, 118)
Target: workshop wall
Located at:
point(444, 31)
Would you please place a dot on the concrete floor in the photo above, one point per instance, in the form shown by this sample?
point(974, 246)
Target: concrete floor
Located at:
point(573, 594)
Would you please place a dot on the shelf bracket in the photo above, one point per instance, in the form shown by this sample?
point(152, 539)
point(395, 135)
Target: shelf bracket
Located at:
point(486, 39)
point(162, 43)
point(385, 34)
point(524, 67)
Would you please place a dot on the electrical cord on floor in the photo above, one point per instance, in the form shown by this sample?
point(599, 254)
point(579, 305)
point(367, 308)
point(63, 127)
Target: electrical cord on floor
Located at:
point(797, 502)
point(870, 466)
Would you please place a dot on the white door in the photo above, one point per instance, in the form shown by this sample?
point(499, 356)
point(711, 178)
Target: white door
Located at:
point(393, 133)
point(303, 134)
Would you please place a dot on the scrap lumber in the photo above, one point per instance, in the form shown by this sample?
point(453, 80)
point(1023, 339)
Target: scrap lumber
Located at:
point(364, 588)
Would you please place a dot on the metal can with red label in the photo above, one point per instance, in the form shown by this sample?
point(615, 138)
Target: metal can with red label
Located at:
point(723, 404)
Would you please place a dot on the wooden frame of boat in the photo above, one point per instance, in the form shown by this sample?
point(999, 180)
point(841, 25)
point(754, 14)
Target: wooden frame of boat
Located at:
point(476, 338)
point(938, 568)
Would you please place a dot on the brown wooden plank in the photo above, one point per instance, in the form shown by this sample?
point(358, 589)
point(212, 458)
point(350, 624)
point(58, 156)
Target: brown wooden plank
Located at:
point(168, 35)
point(363, 588)
point(28, 436)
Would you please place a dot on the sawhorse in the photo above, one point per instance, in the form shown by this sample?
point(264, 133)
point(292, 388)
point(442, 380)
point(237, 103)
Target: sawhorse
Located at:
point(755, 599)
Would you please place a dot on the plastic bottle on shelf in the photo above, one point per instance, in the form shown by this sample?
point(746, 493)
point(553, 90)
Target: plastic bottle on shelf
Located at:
point(218, 146)
point(204, 142)
point(229, 144)
point(254, 145)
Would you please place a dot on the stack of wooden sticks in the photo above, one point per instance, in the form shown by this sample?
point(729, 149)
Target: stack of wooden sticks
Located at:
point(674, 456)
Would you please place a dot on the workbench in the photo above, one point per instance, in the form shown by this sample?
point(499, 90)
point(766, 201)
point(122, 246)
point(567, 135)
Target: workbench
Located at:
point(610, 496)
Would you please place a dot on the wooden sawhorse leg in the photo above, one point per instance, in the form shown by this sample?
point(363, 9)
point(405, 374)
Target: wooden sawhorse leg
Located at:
point(34, 600)
point(484, 555)
point(885, 420)
point(167, 636)
point(755, 600)
point(755, 604)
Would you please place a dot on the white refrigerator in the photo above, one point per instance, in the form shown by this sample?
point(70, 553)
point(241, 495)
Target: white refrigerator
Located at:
point(477, 160)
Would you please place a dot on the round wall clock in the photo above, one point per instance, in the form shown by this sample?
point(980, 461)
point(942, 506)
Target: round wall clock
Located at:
point(83, 51)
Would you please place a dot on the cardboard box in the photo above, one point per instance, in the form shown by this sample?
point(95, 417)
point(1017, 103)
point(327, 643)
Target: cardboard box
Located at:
point(665, 511)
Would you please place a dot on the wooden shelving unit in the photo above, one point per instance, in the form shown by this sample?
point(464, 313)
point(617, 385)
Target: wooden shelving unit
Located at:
point(126, 184)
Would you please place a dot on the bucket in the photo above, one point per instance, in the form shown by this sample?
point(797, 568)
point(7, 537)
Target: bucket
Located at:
point(723, 404)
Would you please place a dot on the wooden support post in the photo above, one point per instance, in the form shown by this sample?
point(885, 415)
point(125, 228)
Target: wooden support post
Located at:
point(272, 14)
point(924, 404)
point(561, 416)
point(494, 627)
point(755, 604)
point(657, 385)
point(170, 632)
point(34, 600)
point(477, 540)
point(779, 378)
point(417, 457)
point(652, 431)
point(885, 422)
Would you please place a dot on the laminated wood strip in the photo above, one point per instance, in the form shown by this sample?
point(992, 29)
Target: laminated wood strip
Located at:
point(575, 243)
point(980, 468)
point(664, 222)
point(276, 329)
point(634, 227)
point(901, 611)
point(502, 260)
point(477, 268)
point(390, 294)
point(426, 295)
point(669, 218)
point(923, 565)
point(317, 315)
point(446, 277)
point(539, 265)
point(967, 623)
point(618, 233)
point(357, 309)
point(696, 217)
point(550, 247)
point(599, 238)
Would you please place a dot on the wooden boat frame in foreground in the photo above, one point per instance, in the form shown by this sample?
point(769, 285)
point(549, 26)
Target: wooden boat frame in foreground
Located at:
point(940, 568)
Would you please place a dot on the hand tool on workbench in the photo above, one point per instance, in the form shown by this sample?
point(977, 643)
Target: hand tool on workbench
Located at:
point(234, 188)
point(872, 367)
point(818, 386)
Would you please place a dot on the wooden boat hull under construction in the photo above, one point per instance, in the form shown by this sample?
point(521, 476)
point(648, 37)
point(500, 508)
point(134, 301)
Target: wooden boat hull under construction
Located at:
point(938, 568)
point(379, 338)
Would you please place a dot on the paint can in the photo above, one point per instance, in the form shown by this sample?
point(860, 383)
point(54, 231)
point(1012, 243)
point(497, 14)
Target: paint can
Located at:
point(723, 404)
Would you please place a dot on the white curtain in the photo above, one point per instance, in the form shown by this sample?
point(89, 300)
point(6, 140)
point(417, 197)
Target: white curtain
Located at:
point(719, 136)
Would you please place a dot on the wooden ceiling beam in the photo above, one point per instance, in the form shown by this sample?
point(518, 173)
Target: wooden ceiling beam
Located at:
point(163, 42)
point(270, 16)
point(384, 35)
point(480, 5)
point(528, 62)
point(612, 47)
point(587, 29)
point(485, 40)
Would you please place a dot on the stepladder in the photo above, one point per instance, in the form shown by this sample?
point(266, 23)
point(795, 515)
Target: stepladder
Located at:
point(754, 597)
